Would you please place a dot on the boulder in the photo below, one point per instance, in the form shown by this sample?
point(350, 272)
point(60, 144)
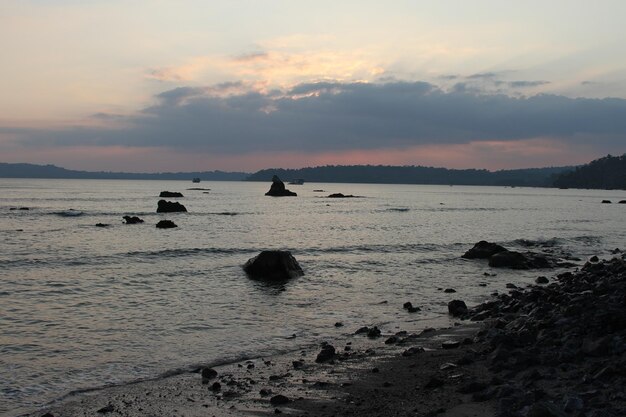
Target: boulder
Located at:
point(457, 308)
point(508, 259)
point(170, 194)
point(274, 264)
point(621, 202)
point(170, 207)
point(606, 201)
point(339, 195)
point(132, 220)
point(166, 224)
point(278, 189)
point(483, 250)
point(327, 353)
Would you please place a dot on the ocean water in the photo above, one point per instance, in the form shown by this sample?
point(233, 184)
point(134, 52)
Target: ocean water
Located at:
point(84, 307)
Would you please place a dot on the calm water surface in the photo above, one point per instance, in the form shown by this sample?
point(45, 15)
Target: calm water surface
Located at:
point(82, 306)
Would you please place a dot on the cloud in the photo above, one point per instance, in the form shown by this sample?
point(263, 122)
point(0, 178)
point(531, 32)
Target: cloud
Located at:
point(527, 84)
point(335, 116)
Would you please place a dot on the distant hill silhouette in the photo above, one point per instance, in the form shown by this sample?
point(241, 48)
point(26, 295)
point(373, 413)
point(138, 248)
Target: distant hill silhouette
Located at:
point(608, 173)
point(51, 171)
point(533, 177)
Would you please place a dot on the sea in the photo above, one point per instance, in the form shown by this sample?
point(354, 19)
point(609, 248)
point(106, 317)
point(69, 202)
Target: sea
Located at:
point(83, 307)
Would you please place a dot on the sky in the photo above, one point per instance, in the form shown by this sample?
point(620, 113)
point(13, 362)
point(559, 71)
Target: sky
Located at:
point(182, 85)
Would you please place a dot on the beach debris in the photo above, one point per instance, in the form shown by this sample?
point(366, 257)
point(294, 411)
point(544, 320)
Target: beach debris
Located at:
point(457, 308)
point(277, 189)
point(164, 206)
point(274, 265)
point(132, 220)
point(327, 353)
point(171, 194)
point(166, 224)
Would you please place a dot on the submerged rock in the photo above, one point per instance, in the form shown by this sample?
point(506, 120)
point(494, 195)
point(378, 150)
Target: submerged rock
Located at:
point(606, 201)
point(170, 194)
point(132, 220)
point(483, 250)
point(278, 189)
point(273, 264)
point(517, 260)
point(166, 224)
point(339, 195)
point(170, 207)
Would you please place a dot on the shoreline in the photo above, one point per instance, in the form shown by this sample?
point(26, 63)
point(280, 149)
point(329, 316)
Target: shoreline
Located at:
point(500, 360)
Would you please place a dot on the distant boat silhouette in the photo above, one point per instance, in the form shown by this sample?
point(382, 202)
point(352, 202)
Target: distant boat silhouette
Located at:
point(196, 180)
point(297, 181)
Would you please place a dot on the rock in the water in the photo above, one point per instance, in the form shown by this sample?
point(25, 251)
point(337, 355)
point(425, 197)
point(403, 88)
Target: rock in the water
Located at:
point(339, 195)
point(278, 189)
point(279, 400)
point(542, 280)
point(170, 194)
point(508, 259)
point(327, 353)
point(606, 201)
point(483, 250)
point(166, 224)
point(621, 202)
point(132, 220)
point(374, 332)
point(102, 225)
point(273, 265)
point(450, 344)
point(457, 308)
point(594, 258)
point(449, 290)
point(170, 207)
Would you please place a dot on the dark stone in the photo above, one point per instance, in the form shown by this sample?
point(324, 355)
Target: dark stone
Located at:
point(449, 290)
point(208, 373)
point(216, 386)
point(170, 194)
point(391, 340)
point(102, 225)
point(542, 280)
point(374, 332)
point(132, 220)
point(273, 265)
point(413, 309)
point(407, 305)
point(339, 195)
point(362, 330)
point(594, 258)
point(457, 308)
point(278, 189)
point(327, 353)
point(166, 224)
point(483, 250)
point(279, 400)
point(606, 201)
point(48, 415)
point(414, 350)
point(297, 364)
point(339, 324)
point(508, 259)
point(621, 202)
point(106, 409)
point(170, 207)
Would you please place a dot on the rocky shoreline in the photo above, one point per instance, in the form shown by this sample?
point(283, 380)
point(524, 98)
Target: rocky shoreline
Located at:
point(546, 350)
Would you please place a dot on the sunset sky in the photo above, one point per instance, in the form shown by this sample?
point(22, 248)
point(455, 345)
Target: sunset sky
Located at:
point(242, 85)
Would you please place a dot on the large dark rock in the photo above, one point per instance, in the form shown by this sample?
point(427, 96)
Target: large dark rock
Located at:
point(166, 224)
point(273, 265)
point(170, 207)
point(457, 308)
point(170, 194)
point(339, 195)
point(483, 250)
point(327, 353)
point(278, 189)
point(132, 220)
point(508, 259)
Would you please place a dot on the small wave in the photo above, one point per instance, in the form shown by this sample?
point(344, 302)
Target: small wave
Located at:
point(68, 213)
